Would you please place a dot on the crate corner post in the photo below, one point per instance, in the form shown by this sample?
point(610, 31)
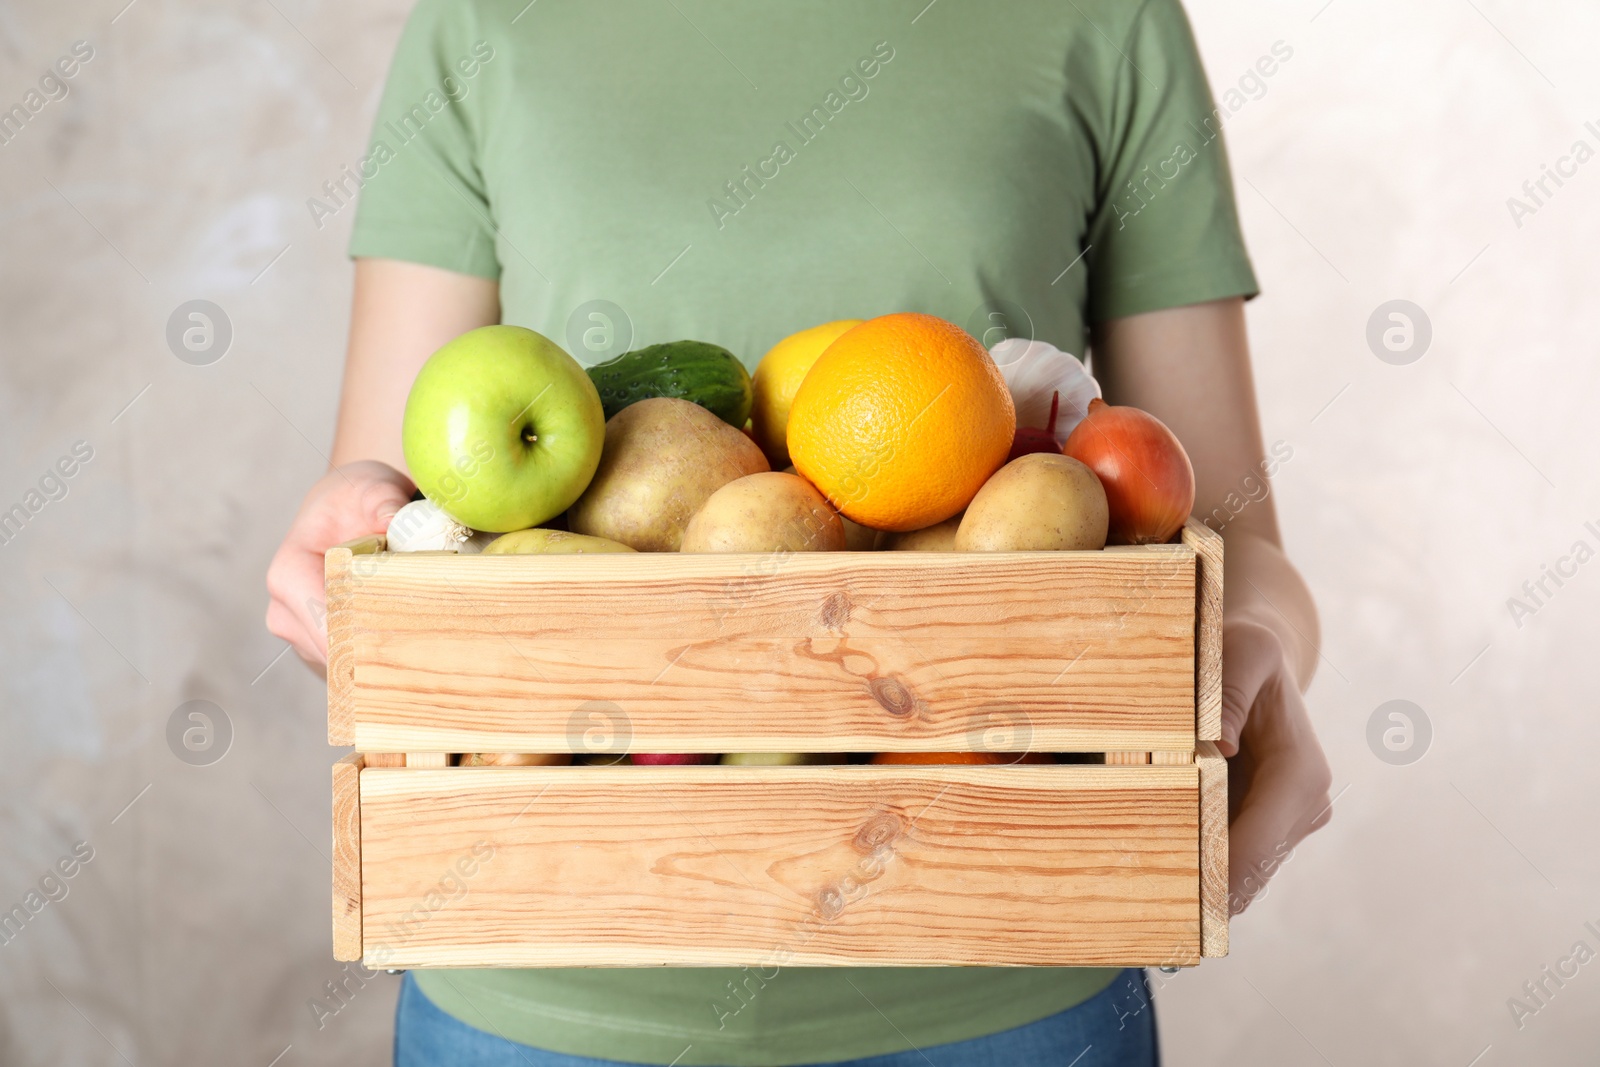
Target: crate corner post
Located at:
point(338, 585)
point(1213, 850)
point(1207, 545)
point(347, 858)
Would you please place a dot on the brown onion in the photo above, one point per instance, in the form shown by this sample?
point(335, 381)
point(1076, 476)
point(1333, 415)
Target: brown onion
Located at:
point(1146, 473)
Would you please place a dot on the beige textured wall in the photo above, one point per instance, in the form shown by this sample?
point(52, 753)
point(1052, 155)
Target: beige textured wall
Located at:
point(1375, 166)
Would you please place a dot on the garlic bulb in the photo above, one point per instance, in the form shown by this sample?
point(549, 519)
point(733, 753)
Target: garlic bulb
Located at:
point(1036, 369)
point(423, 526)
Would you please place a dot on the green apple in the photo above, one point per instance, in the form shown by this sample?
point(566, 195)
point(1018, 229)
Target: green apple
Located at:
point(502, 429)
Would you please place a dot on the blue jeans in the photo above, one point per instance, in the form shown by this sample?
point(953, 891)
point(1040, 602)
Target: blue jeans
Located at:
point(1114, 1028)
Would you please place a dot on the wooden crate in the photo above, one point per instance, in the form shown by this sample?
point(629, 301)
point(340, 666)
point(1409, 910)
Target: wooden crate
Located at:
point(1116, 863)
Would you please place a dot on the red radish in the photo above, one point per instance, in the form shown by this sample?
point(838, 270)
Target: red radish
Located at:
point(666, 759)
point(1031, 439)
point(1146, 473)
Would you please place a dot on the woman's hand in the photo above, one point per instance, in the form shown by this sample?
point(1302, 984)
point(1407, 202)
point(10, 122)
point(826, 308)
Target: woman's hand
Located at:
point(1278, 778)
point(351, 501)
point(1190, 368)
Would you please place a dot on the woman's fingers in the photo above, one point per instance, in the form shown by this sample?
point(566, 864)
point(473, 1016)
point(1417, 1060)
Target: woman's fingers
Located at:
point(1259, 844)
point(1287, 795)
point(281, 623)
point(1251, 654)
point(383, 492)
point(294, 582)
point(352, 501)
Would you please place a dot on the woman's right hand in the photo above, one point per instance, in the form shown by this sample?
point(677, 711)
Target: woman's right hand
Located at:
point(355, 500)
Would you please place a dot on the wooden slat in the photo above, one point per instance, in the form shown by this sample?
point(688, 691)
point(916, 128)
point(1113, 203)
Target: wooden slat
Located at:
point(1171, 758)
point(428, 760)
point(347, 857)
point(1076, 651)
point(771, 866)
point(1213, 849)
point(339, 583)
point(386, 759)
point(1207, 545)
point(1127, 759)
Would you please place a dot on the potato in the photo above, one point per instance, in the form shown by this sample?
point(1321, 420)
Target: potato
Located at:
point(766, 512)
point(543, 542)
point(1038, 501)
point(782, 759)
point(857, 538)
point(662, 460)
point(940, 537)
point(514, 759)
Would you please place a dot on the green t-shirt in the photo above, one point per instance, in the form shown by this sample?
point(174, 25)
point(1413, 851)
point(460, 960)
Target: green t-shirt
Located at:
point(735, 171)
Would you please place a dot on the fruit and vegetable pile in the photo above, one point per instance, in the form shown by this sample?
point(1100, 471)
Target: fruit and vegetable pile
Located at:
point(897, 433)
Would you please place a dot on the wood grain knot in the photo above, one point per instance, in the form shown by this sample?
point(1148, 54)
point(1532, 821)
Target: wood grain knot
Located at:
point(894, 697)
point(830, 902)
point(835, 612)
point(876, 832)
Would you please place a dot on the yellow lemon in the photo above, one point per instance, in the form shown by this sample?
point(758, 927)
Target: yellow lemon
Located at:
point(778, 378)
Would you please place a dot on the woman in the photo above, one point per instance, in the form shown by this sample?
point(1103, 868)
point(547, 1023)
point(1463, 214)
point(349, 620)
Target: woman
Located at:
point(620, 174)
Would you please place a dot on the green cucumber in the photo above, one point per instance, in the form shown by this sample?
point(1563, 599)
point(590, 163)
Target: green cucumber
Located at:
point(697, 371)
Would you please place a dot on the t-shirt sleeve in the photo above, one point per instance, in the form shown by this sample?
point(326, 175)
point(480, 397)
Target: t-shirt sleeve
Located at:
point(1165, 231)
point(423, 196)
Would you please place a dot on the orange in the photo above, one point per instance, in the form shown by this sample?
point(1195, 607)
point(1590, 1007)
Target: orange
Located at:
point(901, 421)
point(777, 379)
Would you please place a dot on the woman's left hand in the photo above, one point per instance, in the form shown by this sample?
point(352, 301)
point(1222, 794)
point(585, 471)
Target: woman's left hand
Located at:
point(1190, 367)
point(1278, 777)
